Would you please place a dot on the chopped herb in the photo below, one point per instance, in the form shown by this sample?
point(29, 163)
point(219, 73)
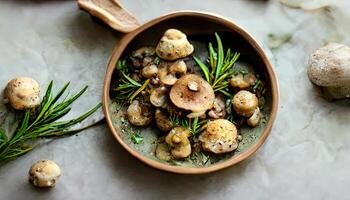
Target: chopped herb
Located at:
point(137, 139)
point(243, 72)
point(156, 61)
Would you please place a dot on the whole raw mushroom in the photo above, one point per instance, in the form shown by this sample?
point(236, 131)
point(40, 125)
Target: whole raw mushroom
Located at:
point(22, 93)
point(329, 68)
point(44, 173)
point(245, 103)
point(219, 137)
point(191, 92)
point(139, 114)
point(174, 45)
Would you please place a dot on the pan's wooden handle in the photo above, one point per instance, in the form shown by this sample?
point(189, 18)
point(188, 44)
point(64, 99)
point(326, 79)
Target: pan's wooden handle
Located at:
point(112, 13)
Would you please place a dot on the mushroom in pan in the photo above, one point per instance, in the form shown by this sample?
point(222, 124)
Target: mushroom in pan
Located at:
point(168, 74)
point(192, 93)
point(179, 142)
point(44, 173)
point(245, 103)
point(149, 71)
point(139, 114)
point(329, 68)
point(220, 136)
point(159, 96)
point(22, 93)
point(163, 151)
point(162, 120)
point(142, 56)
point(242, 82)
point(174, 45)
point(218, 110)
point(254, 120)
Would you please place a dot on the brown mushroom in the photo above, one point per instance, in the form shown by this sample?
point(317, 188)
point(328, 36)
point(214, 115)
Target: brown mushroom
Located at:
point(139, 114)
point(174, 45)
point(163, 151)
point(149, 71)
point(159, 96)
point(168, 74)
point(162, 120)
point(220, 136)
point(143, 52)
point(22, 93)
point(196, 98)
point(245, 103)
point(242, 81)
point(218, 110)
point(179, 142)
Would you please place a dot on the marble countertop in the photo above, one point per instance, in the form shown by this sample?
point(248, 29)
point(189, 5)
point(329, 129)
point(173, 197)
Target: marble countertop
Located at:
point(305, 157)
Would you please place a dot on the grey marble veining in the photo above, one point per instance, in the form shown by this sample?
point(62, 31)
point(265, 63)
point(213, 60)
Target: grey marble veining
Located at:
point(305, 157)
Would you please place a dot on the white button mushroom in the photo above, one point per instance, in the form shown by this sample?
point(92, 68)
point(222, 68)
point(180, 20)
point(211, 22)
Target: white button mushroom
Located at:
point(44, 173)
point(220, 136)
point(245, 103)
point(174, 45)
point(329, 68)
point(22, 93)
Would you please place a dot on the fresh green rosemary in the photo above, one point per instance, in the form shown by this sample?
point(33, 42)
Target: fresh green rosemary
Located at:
point(195, 125)
point(127, 87)
point(220, 66)
point(42, 122)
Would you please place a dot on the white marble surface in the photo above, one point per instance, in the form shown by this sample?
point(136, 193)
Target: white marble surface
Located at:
point(305, 157)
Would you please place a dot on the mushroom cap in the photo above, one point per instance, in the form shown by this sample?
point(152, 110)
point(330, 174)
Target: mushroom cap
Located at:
point(220, 136)
point(245, 103)
point(185, 98)
point(44, 173)
point(139, 115)
point(329, 66)
point(174, 45)
point(163, 151)
point(159, 96)
point(23, 93)
point(162, 121)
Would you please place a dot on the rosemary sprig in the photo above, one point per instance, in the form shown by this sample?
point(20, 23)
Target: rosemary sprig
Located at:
point(41, 123)
point(127, 87)
point(195, 125)
point(220, 66)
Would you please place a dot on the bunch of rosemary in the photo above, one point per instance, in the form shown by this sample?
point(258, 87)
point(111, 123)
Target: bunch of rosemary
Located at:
point(220, 66)
point(128, 88)
point(42, 122)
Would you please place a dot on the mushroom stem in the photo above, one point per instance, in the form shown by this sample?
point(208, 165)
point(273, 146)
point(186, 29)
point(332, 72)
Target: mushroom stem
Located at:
point(193, 86)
